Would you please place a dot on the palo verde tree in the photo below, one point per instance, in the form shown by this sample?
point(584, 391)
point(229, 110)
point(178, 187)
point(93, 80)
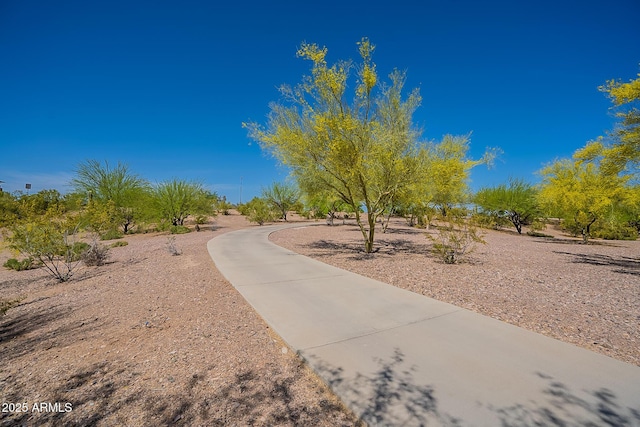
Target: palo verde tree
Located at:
point(580, 193)
point(623, 151)
point(516, 201)
point(176, 199)
point(281, 196)
point(360, 146)
point(446, 171)
point(118, 187)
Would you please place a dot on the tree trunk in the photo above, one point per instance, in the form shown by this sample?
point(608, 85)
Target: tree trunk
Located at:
point(368, 247)
point(366, 235)
point(515, 219)
point(586, 231)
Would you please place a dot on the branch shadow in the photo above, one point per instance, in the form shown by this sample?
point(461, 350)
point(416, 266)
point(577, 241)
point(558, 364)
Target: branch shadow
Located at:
point(249, 400)
point(389, 396)
point(101, 395)
point(566, 408)
point(622, 264)
point(33, 324)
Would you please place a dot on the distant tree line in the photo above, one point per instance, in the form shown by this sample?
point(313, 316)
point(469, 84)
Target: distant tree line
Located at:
point(106, 202)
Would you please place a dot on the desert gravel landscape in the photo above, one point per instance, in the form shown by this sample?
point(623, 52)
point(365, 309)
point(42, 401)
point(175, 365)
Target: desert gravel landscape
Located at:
point(153, 339)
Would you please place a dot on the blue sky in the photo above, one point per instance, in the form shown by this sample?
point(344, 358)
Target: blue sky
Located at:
point(164, 86)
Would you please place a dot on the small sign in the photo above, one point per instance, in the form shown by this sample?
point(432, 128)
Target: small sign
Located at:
point(27, 186)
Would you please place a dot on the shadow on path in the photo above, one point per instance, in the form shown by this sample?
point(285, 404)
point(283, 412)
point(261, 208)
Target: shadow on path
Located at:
point(390, 397)
point(564, 407)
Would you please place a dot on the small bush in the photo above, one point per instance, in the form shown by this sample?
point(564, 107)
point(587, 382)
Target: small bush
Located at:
point(455, 240)
point(77, 249)
point(179, 229)
point(119, 243)
point(6, 305)
point(111, 235)
point(14, 264)
point(616, 233)
point(489, 221)
point(95, 255)
point(202, 219)
point(50, 244)
point(171, 246)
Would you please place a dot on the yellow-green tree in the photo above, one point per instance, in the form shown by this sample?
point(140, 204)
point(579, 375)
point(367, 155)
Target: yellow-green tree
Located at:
point(624, 151)
point(441, 179)
point(281, 196)
point(580, 193)
point(360, 146)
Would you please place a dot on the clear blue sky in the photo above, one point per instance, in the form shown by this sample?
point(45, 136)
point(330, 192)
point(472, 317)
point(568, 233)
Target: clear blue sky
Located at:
point(164, 86)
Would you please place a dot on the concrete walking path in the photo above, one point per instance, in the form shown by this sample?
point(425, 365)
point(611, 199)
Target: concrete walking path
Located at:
point(399, 358)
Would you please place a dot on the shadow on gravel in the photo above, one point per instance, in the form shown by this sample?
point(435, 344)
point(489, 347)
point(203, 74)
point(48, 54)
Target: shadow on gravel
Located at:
point(33, 323)
point(622, 264)
point(383, 246)
point(111, 393)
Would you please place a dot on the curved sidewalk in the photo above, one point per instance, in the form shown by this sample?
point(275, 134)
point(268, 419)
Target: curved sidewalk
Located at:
point(399, 358)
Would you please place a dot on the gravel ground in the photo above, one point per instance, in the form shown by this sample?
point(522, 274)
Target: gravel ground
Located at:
point(587, 295)
point(150, 339)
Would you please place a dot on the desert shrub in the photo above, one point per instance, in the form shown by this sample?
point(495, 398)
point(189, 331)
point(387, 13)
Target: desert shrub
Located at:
point(619, 232)
point(95, 255)
point(14, 264)
point(202, 219)
point(49, 243)
point(79, 248)
point(491, 221)
point(171, 246)
point(6, 305)
point(455, 239)
point(119, 243)
point(223, 207)
point(259, 211)
point(111, 234)
point(179, 229)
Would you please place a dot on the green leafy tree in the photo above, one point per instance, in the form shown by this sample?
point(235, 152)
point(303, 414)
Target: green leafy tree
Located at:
point(176, 199)
point(325, 205)
point(580, 193)
point(282, 197)
point(259, 210)
point(517, 201)
point(102, 184)
point(362, 151)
